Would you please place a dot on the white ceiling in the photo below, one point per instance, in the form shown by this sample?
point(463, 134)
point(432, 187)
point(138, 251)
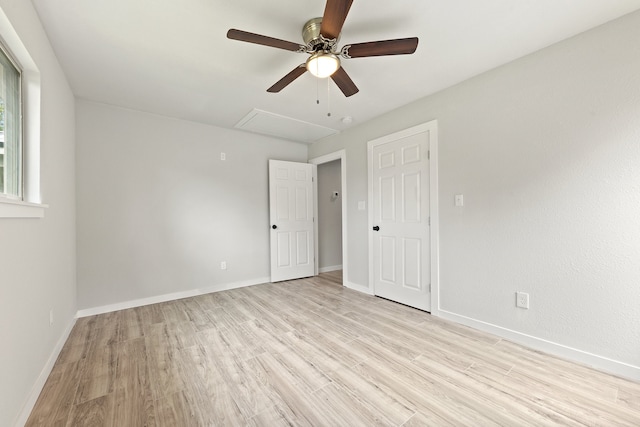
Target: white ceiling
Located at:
point(173, 58)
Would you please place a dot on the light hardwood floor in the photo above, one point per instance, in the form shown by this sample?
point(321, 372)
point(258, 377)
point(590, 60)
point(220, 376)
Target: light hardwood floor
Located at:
point(311, 353)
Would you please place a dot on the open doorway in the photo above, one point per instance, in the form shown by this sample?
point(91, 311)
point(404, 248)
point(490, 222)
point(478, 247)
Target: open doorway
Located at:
point(329, 256)
point(330, 213)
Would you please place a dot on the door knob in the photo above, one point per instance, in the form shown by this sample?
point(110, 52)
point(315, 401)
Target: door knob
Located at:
point(376, 228)
point(274, 226)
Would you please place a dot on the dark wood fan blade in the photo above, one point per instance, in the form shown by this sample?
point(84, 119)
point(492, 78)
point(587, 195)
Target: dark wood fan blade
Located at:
point(245, 36)
point(382, 48)
point(286, 80)
point(344, 82)
point(335, 12)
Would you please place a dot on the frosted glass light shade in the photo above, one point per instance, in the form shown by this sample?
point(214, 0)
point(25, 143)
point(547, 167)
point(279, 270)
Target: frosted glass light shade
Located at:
point(323, 64)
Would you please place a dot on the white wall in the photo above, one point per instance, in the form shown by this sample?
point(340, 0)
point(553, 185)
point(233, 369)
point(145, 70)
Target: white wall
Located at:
point(37, 256)
point(329, 216)
point(158, 210)
point(546, 151)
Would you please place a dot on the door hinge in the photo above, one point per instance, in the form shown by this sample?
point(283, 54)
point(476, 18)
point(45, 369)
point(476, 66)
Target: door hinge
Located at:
point(429, 287)
point(429, 154)
point(429, 220)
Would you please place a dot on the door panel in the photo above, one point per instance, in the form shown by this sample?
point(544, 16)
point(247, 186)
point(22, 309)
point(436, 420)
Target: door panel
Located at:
point(400, 208)
point(411, 256)
point(411, 197)
point(291, 212)
point(411, 154)
point(387, 259)
point(282, 204)
point(302, 210)
point(388, 198)
point(302, 245)
point(284, 252)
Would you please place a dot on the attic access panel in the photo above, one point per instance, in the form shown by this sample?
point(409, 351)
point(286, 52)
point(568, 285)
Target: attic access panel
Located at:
point(271, 124)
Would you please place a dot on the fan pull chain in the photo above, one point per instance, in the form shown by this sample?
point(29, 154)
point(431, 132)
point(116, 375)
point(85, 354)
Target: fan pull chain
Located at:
point(328, 95)
point(328, 98)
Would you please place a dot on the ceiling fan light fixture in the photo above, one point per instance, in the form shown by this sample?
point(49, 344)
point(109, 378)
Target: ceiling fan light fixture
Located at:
point(323, 64)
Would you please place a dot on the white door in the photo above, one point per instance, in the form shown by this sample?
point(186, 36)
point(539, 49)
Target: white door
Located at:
point(291, 215)
point(400, 230)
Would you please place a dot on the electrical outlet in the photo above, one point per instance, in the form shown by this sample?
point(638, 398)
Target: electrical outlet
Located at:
point(51, 317)
point(223, 156)
point(223, 265)
point(522, 300)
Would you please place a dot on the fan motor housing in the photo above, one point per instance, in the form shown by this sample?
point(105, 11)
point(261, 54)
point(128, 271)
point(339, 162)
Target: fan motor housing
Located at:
point(312, 37)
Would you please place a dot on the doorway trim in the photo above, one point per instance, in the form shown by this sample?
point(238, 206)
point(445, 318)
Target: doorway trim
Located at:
point(342, 156)
point(432, 128)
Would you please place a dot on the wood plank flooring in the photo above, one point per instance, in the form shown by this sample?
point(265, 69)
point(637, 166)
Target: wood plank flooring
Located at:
point(312, 353)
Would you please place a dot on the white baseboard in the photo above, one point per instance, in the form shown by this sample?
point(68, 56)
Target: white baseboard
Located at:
point(593, 360)
point(168, 297)
point(23, 416)
point(359, 288)
point(330, 268)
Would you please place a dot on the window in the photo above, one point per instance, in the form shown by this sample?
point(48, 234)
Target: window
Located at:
point(20, 91)
point(10, 128)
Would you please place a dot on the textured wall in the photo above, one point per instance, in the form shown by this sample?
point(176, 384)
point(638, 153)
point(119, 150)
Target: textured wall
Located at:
point(158, 210)
point(546, 152)
point(37, 256)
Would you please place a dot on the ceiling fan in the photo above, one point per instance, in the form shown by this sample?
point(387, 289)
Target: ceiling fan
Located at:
point(321, 36)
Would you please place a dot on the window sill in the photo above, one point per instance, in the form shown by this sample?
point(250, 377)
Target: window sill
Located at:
point(19, 209)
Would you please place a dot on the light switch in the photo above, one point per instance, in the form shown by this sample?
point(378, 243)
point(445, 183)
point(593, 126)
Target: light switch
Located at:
point(459, 200)
point(361, 205)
